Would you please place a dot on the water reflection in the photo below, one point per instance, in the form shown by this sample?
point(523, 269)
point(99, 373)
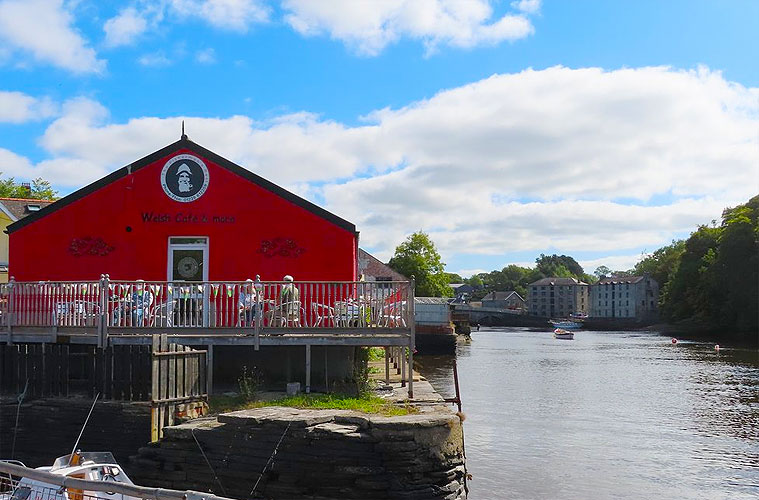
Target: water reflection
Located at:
point(608, 415)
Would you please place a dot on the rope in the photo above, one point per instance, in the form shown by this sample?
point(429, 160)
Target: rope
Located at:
point(271, 459)
point(192, 431)
point(20, 400)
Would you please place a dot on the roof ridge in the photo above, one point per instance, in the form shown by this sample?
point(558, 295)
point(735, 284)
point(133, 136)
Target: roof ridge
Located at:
point(2, 198)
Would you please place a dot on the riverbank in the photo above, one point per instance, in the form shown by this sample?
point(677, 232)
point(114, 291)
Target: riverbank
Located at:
point(694, 330)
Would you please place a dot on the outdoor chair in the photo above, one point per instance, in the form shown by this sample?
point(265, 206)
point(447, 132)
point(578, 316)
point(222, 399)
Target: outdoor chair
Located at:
point(324, 315)
point(161, 314)
point(286, 314)
point(391, 315)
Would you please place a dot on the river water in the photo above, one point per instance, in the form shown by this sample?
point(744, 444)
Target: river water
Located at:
point(609, 415)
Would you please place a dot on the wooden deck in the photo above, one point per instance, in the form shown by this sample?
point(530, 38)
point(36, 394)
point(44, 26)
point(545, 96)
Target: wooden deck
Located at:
point(105, 313)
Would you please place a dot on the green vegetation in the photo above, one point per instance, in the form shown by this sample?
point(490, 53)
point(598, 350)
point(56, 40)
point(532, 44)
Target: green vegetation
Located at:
point(713, 276)
point(39, 189)
point(366, 403)
point(418, 257)
point(376, 354)
point(517, 278)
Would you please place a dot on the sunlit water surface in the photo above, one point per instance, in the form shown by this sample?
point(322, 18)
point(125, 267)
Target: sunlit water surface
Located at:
point(608, 415)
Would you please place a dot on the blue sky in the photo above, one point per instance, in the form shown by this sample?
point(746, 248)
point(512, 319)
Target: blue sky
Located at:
point(506, 129)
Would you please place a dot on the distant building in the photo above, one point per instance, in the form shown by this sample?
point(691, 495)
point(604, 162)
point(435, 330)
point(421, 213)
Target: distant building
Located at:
point(372, 269)
point(625, 297)
point(504, 300)
point(461, 288)
point(557, 297)
point(11, 210)
point(461, 292)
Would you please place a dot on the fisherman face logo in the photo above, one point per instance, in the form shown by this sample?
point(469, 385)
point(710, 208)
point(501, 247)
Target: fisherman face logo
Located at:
point(184, 178)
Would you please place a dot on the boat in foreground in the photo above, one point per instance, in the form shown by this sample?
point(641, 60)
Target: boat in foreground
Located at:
point(562, 334)
point(91, 466)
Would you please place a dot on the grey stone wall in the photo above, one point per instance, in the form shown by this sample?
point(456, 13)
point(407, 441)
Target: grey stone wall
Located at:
point(48, 428)
point(322, 454)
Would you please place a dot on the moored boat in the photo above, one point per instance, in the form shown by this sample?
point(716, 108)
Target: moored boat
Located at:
point(91, 466)
point(566, 324)
point(562, 334)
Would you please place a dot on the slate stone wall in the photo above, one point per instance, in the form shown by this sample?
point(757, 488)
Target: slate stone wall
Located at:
point(48, 428)
point(320, 454)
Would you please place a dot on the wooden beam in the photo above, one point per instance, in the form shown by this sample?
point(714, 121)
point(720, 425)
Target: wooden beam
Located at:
point(308, 368)
point(209, 370)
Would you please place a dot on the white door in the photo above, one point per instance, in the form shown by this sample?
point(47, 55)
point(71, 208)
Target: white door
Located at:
point(187, 269)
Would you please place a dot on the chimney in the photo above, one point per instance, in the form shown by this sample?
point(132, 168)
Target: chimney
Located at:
point(26, 189)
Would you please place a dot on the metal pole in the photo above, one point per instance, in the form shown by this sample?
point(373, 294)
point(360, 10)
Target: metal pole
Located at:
point(412, 339)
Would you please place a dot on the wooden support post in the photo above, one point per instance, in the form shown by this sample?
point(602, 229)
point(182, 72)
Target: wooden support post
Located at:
point(209, 369)
point(11, 293)
point(398, 358)
point(154, 396)
point(259, 312)
point(326, 364)
point(402, 360)
point(387, 366)
point(308, 368)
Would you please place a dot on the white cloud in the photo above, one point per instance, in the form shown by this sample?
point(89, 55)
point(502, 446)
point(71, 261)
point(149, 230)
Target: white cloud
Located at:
point(558, 160)
point(125, 27)
point(44, 29)
point(206, 56)
point(528, 6)
point(369, 27)
point(155, 59)
point(236, 15)
point(17, 107)
point(144, 15)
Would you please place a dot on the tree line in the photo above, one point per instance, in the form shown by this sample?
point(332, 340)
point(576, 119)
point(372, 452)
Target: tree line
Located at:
point(710, 279)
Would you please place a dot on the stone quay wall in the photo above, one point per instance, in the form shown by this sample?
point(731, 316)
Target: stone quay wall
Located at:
point(321, 454)
point(47, 428)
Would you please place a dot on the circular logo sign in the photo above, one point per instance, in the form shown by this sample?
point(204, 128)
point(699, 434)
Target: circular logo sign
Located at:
point(187, 267)
point(184, 178)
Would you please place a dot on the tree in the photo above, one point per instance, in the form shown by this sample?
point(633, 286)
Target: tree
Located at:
point(39, 189)
point(560, 266)
point(418, 257)
point(602, 271)
point(661, 264)
point(454, 278)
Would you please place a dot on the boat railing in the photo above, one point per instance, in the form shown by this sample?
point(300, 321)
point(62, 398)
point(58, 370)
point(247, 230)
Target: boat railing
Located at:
point(42, 484)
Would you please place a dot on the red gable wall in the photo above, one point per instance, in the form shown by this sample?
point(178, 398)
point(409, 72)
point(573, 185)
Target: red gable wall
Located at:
point(90, 236)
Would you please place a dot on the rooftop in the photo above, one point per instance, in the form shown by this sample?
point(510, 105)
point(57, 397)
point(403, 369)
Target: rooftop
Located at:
point(557, 281)
point(18, 208)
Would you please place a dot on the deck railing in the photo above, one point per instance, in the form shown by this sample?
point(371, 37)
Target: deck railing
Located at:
point(111, 306)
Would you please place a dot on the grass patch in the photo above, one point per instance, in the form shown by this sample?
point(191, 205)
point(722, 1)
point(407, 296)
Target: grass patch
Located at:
point(366, 404)
point(376, 354)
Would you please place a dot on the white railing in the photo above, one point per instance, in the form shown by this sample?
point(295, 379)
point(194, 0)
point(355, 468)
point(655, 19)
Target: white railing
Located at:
point(239, 306)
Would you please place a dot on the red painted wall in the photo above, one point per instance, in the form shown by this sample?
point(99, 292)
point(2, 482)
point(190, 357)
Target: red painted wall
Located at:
point(47, 248)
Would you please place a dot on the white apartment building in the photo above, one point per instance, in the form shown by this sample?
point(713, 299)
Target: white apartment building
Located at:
point(625, 297)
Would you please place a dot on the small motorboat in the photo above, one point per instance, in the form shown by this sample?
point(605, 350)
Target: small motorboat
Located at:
point(92, 466)
point(562, 334)
point(566, 324)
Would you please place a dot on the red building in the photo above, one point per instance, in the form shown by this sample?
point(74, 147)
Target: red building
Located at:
point(183, 213)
